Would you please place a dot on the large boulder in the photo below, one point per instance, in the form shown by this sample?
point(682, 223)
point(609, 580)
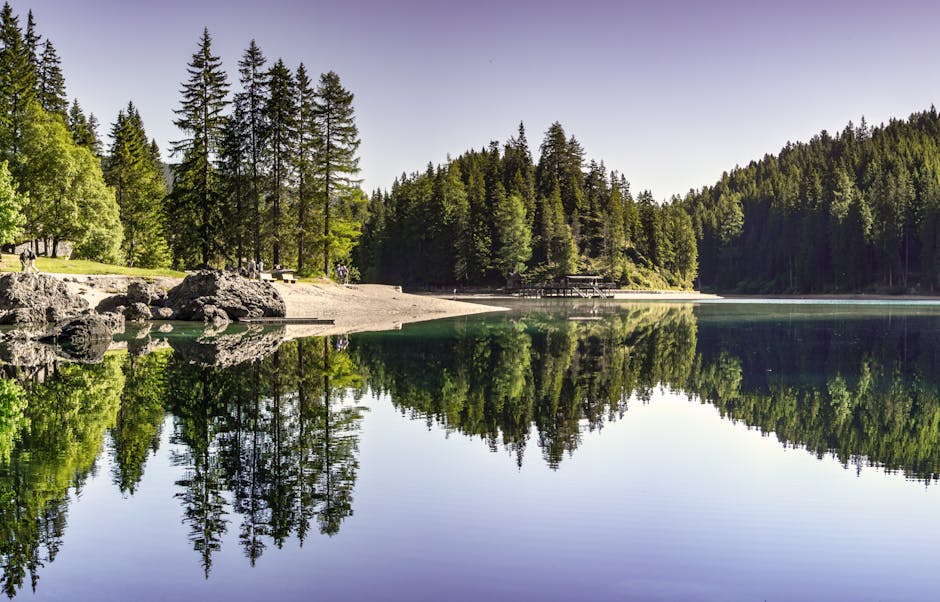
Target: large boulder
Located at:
point(146, 293)
point(26, 298)
point(115, 304)
point(203, 294)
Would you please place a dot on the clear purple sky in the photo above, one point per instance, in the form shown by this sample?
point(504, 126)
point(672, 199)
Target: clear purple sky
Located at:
point(671, 93)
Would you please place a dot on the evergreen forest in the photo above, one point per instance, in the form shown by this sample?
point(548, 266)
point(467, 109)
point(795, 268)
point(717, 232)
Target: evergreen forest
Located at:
point(266, 167)
point(493, 213)
point(266, 172)
point(855, 211)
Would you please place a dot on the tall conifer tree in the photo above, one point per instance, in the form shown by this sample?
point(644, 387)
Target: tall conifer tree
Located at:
point(304, 155)
point(17, 82)
point(250, 102)
point(196, 204)
point(51, 83)
point(139, 189)
point(280, 113)
point(336, 164)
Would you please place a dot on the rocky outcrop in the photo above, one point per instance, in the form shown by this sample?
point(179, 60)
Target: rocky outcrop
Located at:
point(30, 298)
point(206, 294)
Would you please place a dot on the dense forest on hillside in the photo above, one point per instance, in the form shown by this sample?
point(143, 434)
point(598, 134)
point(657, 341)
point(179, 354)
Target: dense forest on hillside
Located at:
point(494, 212)
point(856, 211)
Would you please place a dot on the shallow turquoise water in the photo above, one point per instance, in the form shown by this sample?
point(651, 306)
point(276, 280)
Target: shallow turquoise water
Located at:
point(561, 451)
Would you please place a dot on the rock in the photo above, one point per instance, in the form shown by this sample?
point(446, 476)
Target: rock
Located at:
point(146, 293)
point(211, 314)
point(113, 304)
point(28, 298)
point(161, 313)
point(137, 312)
point(231, 294)
point(84, 338)
point(165, 328)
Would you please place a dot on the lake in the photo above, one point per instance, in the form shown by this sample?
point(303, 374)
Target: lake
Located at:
point(560, 451)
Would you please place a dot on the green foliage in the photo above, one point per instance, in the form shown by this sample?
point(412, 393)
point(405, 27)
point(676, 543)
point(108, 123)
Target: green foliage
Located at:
point(845, 213)
point(67, 196)
point(11, 217)
point(137, 178)
point(335, 163)
point(488, 213)
point(197, 202)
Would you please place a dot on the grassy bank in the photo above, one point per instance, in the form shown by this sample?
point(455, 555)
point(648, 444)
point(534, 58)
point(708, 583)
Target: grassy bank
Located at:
point(11, 263)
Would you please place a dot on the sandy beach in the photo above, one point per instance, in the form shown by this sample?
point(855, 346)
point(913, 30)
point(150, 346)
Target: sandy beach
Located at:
point(353, 308)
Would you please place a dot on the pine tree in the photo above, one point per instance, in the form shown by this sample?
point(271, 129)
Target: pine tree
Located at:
point(336, 163)
point(513, 235)
point(51, 82)
point(17, 83)
point(233, 173)
point(250, 103)
point(32, 41)
point(280, 112)
point(304, 154)
point(139, 190)
point(84, 129)
point(196, 205)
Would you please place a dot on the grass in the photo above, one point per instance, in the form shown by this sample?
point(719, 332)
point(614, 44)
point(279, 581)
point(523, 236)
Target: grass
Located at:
point(11, 263)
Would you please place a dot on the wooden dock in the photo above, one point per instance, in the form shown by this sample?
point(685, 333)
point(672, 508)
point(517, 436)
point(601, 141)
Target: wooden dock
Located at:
point(572, 285)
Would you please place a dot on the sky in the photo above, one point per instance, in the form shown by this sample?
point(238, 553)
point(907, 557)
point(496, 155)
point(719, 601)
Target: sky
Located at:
point(670, 93)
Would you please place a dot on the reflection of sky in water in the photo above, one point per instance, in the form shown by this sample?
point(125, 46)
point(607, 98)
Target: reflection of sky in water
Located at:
point(670, 502)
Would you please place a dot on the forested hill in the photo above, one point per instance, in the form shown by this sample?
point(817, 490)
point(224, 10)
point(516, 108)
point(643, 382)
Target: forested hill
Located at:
point(859, 211)
point(493, 212)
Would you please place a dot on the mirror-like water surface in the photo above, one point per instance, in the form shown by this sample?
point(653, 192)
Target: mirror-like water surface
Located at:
point(558, 452)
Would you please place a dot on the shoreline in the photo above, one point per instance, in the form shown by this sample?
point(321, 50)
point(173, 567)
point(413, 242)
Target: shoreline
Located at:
point(375, 307)
point(353, 308)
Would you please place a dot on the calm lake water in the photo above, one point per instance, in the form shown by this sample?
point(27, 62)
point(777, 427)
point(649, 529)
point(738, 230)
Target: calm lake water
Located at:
point(559, 452)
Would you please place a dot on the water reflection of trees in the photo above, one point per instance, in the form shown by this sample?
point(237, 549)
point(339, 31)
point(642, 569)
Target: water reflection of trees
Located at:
point(268, 447)
point(49, 447)
point(864, 390)
point(270, 435)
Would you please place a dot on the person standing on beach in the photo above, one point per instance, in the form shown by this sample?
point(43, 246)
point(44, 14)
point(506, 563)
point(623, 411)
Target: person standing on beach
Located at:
point(23, 259)
point(31, 256)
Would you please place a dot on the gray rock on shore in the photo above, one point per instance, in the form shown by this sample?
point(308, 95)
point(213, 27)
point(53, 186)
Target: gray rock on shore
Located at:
point(203, 295)
point(31, 298)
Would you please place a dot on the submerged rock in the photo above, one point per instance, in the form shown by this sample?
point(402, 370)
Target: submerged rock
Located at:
point(84, 338)
point(201, 296)
point(26, 298)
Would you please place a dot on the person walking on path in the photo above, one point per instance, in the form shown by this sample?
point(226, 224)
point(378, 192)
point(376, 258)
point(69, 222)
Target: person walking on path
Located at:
point(24, 258)
point(31, 255)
